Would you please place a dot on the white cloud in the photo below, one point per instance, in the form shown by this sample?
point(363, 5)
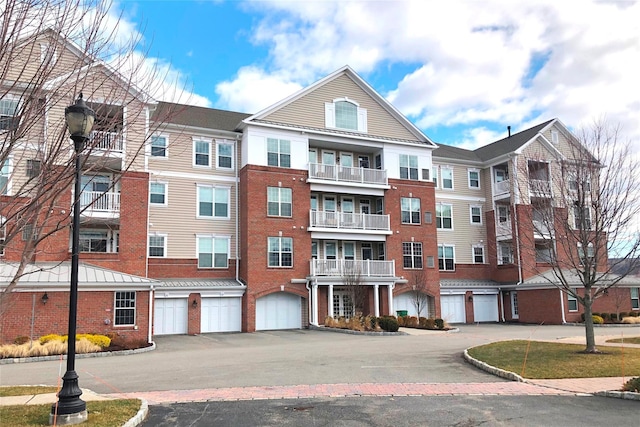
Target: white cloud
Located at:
point(469, 61)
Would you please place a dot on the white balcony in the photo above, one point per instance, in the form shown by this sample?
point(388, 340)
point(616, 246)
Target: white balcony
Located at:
point(107, 141)
point(502, 188)
point(363, 268)
point(539, 188)
point(100, 204)
point(343, 174)
point(503, 229)
point(349, 221)
point(542, 230)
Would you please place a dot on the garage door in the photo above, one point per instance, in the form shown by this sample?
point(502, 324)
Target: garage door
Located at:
point(452, 307)
point(221, 315)
point(405, 302)
point(170, 316)
point(281, 310)
point(485, 308)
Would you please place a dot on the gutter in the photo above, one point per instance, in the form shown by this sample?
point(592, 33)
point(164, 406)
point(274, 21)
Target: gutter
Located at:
point(564, 319)
point(237, 185)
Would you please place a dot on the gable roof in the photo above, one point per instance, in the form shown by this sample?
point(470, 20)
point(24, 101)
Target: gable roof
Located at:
point(375, 96)
point(201, 117)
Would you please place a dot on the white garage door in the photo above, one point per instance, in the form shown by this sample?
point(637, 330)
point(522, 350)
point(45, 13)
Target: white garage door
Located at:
point(170, 316)
point(452, 307)
point(405, 302)
point(221, 315)
point(485, 308)
point(280, 310)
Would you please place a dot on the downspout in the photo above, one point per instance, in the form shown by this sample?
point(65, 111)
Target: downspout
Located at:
point(564, 319)
point(515, 217)
point(502, 305)
point(309, 304)
point(237, 215)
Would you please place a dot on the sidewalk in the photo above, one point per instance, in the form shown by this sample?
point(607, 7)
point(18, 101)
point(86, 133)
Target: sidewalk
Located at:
point(47, 398)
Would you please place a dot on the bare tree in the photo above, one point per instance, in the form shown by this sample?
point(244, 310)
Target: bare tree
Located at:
point(353, 285)
point(50, 52)
point(419, 297)
point(588, 208)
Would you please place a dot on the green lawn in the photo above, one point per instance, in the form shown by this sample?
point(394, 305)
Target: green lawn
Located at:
point(538, 360)
point(108, 413)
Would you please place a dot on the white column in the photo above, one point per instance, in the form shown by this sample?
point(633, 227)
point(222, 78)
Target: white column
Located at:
point(330, 300)
point(314, 298)
point(376, 300)
point(391, 312)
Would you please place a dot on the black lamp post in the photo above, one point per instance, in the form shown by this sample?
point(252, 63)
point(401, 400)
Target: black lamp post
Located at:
point(70, 409)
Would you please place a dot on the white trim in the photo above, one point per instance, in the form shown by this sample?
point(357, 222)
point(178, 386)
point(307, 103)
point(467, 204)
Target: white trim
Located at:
point(442, 187)
point(164, 243)
point(209, 141)
point(469, 170)
point(473, 253)
point(213, 201)
point(471, 207)
point(436, 217)
point(166, 146)
point(219, 143)
point(166, 193)
point(213, 238)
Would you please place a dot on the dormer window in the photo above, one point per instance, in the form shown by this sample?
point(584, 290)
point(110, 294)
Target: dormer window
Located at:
point(344, 113)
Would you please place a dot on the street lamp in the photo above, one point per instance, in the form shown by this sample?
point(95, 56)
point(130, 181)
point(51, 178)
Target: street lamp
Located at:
point(70, 409)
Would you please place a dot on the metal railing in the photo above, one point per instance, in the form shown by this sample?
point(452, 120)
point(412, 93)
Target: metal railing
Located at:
point(347, 174)
point(108, 141)
point(349, 221)
point(538, 187)
point(503, 187)
point(98, 201)
point(341, 267)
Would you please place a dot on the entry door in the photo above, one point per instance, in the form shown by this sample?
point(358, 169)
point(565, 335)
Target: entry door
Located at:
point(328, 157)
point(367, 252)
point(346, 160)
point(365, 206)
point(342, 304)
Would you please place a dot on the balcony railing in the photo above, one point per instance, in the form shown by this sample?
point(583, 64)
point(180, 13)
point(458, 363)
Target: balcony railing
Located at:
point(107, 141)
point(339, 173)
point(541, 228)
point(98, 201)
point(539, 188)
point(503, 187)
point(349, 221)
point(363, 268)
point(503, 228)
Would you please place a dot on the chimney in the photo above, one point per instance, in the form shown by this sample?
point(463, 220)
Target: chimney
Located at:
point(509, 131)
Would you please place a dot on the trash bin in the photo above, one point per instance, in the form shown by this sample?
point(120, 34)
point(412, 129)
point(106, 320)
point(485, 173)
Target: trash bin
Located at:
point(402, 313)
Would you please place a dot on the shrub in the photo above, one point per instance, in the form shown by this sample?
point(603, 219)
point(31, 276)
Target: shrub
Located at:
point(401, 321)
point(631, 320)
point(439, 323)
point(606, 316)
point(52, 337)
point(21, 340)
point(411, 322)
point(342, 322)
point(623, 314)
point(370, 323)
point(430, 323)
point(388, 323)
point(422, 322)
point(632, 385)
point(597, 320)
point(102, 341)
point(596, 314)
point(85, 346)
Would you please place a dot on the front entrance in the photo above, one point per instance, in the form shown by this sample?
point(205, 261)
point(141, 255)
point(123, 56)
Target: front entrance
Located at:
point(342, 304)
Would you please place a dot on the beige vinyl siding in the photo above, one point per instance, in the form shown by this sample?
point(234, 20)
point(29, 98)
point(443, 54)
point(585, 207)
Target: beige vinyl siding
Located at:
point(179, 220)
point(538, 151)
point(309, 110)
point(464, 234)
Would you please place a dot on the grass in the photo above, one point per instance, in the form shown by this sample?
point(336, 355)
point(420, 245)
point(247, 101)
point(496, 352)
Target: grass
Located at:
point(630, 340)
point(547, 360)
point(107, 413)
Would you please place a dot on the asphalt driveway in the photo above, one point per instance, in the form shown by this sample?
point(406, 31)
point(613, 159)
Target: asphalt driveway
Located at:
point(290, 358)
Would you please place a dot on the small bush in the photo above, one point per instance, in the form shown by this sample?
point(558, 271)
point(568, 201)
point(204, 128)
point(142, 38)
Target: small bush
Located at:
point(411, 322)
point(623, 314)
point(371, 323)
point(606, 316)
point(430, 323)
point(86, 346)
point(422, 322)
point(342, 322)
point(597, 320)
point(632, 385)
point(50, 337)
point(21, 340)
point(439, 323)
point(102, 341)
point(388, 323)
point(402, 321)
point(631, 320)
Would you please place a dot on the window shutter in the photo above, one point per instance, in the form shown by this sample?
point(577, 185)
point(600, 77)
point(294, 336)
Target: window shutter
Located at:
point(362, 119)
point(329, 115)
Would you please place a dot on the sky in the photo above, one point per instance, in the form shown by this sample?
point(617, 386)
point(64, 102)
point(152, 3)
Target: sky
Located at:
point(461, 71)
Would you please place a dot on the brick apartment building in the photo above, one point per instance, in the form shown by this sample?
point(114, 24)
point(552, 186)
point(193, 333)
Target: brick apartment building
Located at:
point(203, 220)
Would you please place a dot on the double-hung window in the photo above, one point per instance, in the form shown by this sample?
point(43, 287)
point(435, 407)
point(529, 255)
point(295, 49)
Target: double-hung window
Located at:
point(213, 252)
point(478, 254)
point(582, 217)
point(201, 152)
point(280, 251)
point(412, 255)
point(159, 145)
point(505, 254)
point(8, 109)
point(408, 167)
point(278, 201)
point(410, 210)
point(279, 152)
point(125, 308)
point(474, 178)
point(476, 214)
point(572, 301)
point(34, 168)
point(635, 298)
point(444, 216)
point(446, 258)
point(225, 155)
point(157, 245)
point(213, 202)
point(446, 175)
point(4, 177)
point(158, 193)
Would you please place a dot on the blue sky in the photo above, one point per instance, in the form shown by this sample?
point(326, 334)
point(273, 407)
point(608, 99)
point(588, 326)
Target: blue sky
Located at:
point(460, 70)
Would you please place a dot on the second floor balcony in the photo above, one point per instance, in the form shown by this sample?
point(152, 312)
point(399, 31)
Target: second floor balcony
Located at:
point(107, 141)
point(349, 221)
point(346, 174)
point(100, 204)
point(352, 268)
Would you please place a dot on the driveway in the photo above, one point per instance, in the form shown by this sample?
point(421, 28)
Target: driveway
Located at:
point(282, 358)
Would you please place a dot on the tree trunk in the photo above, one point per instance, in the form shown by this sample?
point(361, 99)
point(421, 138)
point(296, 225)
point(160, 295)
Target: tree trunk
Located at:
point(588, 323)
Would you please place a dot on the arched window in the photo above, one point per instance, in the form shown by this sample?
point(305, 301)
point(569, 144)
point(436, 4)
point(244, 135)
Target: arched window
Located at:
point(344, 113)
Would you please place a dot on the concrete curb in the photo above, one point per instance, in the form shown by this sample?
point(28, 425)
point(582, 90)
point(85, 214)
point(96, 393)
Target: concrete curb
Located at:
point(78, 356)
point(627, 395)
point(351, 332)
point(140, 416)
point(492, 369)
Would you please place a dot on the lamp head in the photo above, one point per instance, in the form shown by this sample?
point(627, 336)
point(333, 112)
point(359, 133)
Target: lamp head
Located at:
point(79, 118)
